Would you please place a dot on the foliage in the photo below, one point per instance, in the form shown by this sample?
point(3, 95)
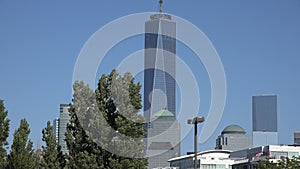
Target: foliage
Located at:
point(83, 152)
point(50, 151)
point(105, 130)
point(265, 164)
point(22, 154)
point(38, 158)
point(119, 100)
point(100, 120)
point(293, 163)
point(4, 133)
point(287, 163)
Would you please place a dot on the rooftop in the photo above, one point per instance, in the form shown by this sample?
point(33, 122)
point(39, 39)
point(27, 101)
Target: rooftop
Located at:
point(164, 113)
point(231, 129)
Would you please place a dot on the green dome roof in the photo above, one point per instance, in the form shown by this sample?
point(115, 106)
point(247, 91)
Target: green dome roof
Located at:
point(233, 129)
point(164, 113)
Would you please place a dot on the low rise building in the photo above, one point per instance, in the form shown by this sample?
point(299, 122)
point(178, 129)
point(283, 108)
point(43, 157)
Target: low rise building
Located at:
point(212, 159)
point(233, 138)
point(246, 159)
point(242, 159)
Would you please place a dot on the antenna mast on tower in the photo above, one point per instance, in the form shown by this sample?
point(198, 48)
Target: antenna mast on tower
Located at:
point(160, 6)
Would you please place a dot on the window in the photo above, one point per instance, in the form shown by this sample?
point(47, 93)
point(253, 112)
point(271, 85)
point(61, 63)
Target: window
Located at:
point(150, 125)
point(278, 154)
point(293, 154)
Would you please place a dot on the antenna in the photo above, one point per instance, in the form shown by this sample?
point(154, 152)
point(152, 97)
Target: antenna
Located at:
point(160, 5)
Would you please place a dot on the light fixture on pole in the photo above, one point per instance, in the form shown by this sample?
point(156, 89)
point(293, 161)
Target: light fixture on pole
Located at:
point(195, 121)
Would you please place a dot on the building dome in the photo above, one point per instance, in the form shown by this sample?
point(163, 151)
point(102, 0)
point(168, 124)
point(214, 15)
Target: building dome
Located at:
point(233, 129)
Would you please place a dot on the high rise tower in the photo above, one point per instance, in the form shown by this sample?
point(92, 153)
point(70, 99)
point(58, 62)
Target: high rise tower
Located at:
point(64, 118)
point(56, 128)
point(264, 120)
point(163, 130)
point(60, 127)
point(159, 74)
point(297, 138)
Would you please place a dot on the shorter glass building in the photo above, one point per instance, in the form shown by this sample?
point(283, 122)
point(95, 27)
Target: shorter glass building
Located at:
point(297, 138)
point(60, 127)
point(55, 128)
point(264, 120)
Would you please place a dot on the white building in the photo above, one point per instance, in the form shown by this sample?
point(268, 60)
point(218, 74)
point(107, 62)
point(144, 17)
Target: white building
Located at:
point(242, 159)
point(212, 159)
point(246, 159)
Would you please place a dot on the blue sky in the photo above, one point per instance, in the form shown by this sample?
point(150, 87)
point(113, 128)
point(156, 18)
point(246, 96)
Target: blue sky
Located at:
point(257, 41)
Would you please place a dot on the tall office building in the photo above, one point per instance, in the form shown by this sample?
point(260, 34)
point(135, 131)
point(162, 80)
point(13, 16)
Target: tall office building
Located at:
point(233, 138)
point(297, 138)
point(264, 120)
point(55, 128)
point(163, 133)
point(60, 127)
point(159, 73)
point(159, 91)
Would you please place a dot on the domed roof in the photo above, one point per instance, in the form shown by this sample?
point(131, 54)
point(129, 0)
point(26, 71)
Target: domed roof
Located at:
point(233, 129)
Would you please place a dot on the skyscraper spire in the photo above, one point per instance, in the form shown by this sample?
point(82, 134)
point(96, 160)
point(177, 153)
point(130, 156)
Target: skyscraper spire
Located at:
point(160, 5)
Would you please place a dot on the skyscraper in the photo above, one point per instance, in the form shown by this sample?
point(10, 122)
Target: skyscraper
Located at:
point(55, 128)
point(60, 127)
point(264, 120)
point(164, 134)
point(159, 73)
point(297, 138)
point(163, 131)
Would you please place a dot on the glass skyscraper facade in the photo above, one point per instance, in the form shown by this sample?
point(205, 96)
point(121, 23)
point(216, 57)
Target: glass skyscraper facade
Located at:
point(264, 120)
point(60, 127)
point(297, 138)
point(163, 130)
point(159, 73)
point(55, 128)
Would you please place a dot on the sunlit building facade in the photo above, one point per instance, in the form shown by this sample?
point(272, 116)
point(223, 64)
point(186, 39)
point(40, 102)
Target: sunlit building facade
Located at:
point(233, 138)
point(264, 120)
point(297, 138)
point(60, 127)
point(163, 131)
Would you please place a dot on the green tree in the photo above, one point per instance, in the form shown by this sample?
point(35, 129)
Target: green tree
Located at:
point(105, 130)
point(4, 133)
point(293, 163)
point(22, 153)
point(119, 100)
point(50, 151)
point(38, 158)
point(83, 151)
point(266, 164)
point(286, 163)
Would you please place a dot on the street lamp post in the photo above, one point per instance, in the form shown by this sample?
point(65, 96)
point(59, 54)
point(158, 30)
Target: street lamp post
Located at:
point(195, 121)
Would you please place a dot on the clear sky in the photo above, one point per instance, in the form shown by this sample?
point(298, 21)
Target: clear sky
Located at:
point(257, 41)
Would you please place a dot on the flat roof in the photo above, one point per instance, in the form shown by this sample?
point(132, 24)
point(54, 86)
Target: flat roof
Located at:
point(199, 153)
